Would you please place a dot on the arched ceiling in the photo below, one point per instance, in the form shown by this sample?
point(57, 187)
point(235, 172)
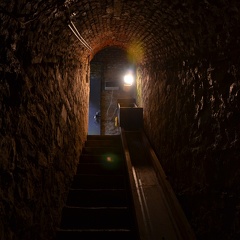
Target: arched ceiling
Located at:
point(152, 28)
point(148, 29)
point(141, 27)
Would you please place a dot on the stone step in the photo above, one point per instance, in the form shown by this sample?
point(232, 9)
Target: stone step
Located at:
point(92, 234)
point(85, 158)
point(106, 167)
point(103, 143)
point(99, 203)
point(104, 137)
point(96, 218)
point(98, 158)
point(89, 181)
point(97, 198)
point(102, 150)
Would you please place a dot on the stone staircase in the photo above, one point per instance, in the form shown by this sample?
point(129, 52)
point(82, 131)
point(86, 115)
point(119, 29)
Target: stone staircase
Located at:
point(99, 204)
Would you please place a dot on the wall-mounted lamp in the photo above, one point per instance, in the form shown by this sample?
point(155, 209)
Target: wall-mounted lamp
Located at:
point(128, 79)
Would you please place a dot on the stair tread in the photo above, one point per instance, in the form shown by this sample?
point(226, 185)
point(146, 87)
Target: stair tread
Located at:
point(95, 230)
point(99, 158)
point(103, 137)
point(97, 189)
point(99, 175)
point(88, 234)
point(97, 197)
point(93, 181)
point(105, 217)
point(98, 204)
point(103, 142)
point(96, 208)
point(102, 164)
point(101, 150)
point(105, 147)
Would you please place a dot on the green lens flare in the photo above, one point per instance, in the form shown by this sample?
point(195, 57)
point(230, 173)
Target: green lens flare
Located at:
point(111, 161)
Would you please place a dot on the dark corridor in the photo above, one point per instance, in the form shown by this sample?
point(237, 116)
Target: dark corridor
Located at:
point(187, 70)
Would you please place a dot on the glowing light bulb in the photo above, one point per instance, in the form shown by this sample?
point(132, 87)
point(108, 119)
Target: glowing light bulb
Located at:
point(128, 79)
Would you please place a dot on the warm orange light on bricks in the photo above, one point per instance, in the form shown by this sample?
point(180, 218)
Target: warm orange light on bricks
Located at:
point(135, 52)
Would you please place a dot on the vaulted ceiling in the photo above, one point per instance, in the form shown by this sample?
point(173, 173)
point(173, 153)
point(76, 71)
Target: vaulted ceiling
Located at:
point(147, 29)
point(160, 29)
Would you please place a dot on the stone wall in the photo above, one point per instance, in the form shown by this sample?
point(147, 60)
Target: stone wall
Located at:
point(43, 101)
point(191, 115)
point(191, 108)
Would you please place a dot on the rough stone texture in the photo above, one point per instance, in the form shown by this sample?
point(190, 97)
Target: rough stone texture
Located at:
point(188, 66)
point(193, 122)
point(43, 100)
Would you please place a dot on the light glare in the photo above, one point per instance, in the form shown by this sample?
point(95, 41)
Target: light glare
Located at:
point(128, 79)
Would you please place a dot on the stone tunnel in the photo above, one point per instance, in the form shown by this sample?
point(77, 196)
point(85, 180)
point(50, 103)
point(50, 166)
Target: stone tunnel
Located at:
point(187, 62)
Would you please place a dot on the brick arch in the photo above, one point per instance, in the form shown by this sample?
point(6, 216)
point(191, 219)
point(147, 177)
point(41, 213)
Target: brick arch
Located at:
point(144, 24)
point(165, 31)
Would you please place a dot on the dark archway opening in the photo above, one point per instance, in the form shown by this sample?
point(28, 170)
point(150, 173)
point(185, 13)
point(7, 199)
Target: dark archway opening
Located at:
point(108, 68)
